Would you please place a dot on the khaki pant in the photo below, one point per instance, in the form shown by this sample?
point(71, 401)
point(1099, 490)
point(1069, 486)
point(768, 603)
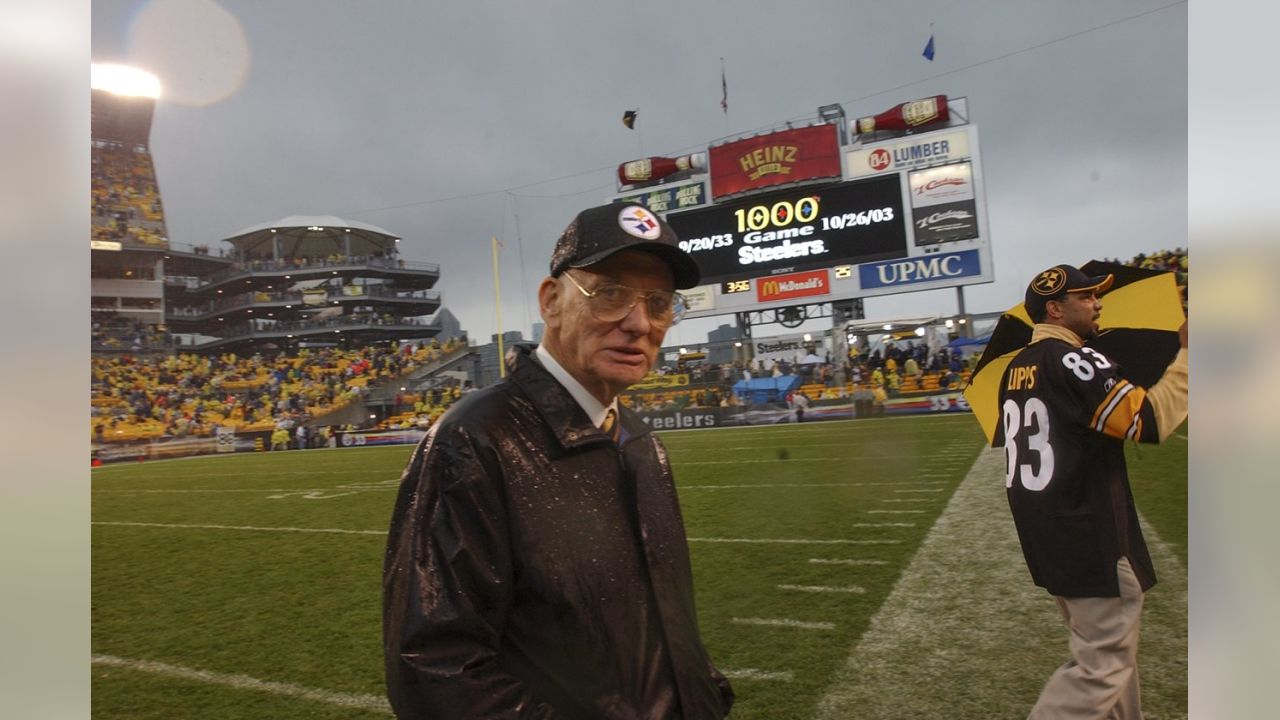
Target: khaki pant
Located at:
point(1101, 678)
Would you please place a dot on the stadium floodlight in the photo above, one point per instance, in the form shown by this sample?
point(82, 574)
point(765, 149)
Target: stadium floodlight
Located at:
point(920, 331)
point(123, 80)
point(684, 351)
point(950, 324)
point(888, 326)
point(737, 344)
point(808, 337)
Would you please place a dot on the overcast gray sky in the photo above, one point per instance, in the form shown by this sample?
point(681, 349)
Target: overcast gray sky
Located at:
point(449, 123)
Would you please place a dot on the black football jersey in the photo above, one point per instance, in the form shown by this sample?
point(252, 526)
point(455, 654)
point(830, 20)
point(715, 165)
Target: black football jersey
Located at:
point(1065, 414)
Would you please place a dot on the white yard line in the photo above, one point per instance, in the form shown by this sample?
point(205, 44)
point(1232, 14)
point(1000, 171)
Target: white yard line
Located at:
point(881, 525)
point(383, 533)
point(374, 703)
point(846, 561)
point(902, 500)
point(964, 634)
point(850, 589)
point(896, 512)
point(784, 622)
point(803, 485)
point(754, 674)
point(792, 541)
point(188, 526)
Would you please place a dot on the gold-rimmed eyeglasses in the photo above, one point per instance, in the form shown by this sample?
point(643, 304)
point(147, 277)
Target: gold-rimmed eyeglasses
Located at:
point(611, 302)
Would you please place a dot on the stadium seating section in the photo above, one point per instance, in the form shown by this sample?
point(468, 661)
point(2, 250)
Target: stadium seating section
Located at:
point(126, 198)
point(138, 398)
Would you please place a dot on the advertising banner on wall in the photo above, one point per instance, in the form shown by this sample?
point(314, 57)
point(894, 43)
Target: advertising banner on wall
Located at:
point(814, 283)
point(943, 207)
point(912, 271)
point(780, 158)
point(907, 153)
point(669, 198)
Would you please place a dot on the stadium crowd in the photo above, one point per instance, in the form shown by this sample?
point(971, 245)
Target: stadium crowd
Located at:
point(187, 395)
point(182, 395)
point(125, 197)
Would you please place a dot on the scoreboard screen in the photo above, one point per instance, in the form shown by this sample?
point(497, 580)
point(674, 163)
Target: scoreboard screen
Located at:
point(815, 226)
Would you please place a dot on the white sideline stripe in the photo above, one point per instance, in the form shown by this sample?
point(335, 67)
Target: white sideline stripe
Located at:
point(853, 589)
point(754, 674)
point(784, 622)
point(898, 500)
point(895, 512)
point(841, 561)
point(793, 541)
point(917, 491)
point(883, 525)
point(244, 682)
point(1184, 437)
point(181, 526)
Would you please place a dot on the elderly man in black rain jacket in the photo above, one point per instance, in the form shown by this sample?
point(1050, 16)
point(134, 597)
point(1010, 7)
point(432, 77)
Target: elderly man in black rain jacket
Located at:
point(537, 565)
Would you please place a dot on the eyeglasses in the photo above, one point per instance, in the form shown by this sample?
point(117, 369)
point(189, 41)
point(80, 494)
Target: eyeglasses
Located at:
point(612, 302)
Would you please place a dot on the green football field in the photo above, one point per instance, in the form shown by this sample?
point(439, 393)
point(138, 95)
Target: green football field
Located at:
point(844, 570)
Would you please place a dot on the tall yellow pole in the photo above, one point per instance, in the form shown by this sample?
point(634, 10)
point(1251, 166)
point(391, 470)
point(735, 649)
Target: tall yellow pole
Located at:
point(497, 297)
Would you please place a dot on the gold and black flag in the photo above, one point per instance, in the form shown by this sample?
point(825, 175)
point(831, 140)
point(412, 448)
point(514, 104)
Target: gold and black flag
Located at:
point(1141, 314)
point(629, 119)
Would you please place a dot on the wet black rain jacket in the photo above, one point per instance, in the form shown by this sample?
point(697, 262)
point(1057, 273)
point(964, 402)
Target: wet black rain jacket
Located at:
point(535, 569)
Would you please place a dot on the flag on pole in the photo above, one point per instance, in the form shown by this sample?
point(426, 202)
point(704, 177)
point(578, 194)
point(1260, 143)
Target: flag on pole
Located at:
point(724, 89)
point(928, 49)
point(629, 119)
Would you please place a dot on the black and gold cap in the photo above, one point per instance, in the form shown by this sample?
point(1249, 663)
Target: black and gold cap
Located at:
point(598, 232)
point(1057, 281)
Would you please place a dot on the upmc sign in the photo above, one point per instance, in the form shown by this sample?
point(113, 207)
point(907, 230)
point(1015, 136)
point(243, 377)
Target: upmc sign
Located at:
point(781, 158)
point(929, 268)
point(795, 285)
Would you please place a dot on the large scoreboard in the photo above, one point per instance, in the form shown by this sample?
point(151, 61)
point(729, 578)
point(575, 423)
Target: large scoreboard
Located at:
point(906, 214)
point(811, 227)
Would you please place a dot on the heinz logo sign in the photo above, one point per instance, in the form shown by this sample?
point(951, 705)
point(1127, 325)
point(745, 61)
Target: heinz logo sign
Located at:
point(784, 287)
point(909, 271)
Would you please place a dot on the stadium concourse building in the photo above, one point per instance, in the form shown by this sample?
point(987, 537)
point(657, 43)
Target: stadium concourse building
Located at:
point(297, 282)
point(304, 281)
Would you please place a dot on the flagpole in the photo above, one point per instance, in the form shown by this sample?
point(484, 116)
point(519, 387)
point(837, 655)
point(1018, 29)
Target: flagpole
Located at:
point(497, 298)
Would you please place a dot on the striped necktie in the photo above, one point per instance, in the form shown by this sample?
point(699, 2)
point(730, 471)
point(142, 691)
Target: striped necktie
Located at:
point(610, 426)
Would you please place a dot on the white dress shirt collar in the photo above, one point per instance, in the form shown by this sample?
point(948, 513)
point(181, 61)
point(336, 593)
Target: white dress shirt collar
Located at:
point(588, 402)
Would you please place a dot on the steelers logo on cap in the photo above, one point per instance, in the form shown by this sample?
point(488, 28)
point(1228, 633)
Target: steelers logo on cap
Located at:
point(1050, 282)
point(638, 222)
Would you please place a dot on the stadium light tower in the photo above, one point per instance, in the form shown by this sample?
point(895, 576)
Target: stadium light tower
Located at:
point(124, 80)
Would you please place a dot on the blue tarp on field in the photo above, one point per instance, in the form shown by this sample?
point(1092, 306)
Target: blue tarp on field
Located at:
point(966, 342)
point(763, 390)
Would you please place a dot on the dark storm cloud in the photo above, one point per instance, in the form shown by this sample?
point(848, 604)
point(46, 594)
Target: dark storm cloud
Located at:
point(355, 108)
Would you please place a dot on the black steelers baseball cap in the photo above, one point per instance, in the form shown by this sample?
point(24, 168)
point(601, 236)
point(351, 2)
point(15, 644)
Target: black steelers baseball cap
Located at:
point(1057, 281)
point(599, 232)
